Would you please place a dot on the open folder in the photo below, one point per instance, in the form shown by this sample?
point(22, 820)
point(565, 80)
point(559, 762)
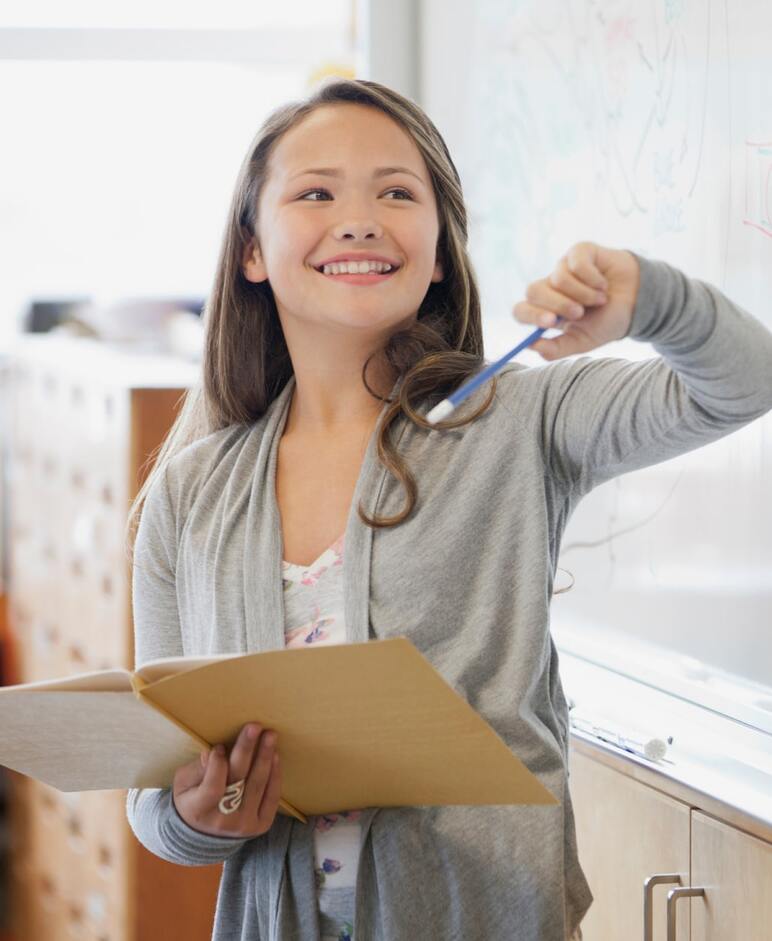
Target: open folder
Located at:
point(359, 725)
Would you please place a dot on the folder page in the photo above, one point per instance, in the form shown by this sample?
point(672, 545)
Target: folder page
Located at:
point(83, 737)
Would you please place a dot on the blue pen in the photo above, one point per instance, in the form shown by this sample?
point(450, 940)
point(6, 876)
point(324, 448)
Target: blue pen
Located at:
point(447, 406)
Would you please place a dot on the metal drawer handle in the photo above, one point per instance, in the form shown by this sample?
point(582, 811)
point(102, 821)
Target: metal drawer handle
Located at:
point(672, 897)
point(657, 879)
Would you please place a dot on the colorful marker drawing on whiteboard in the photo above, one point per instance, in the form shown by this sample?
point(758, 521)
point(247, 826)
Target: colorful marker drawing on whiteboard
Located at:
point(758, 186)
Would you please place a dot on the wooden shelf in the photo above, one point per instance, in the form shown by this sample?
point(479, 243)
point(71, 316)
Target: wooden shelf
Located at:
point(84, 421)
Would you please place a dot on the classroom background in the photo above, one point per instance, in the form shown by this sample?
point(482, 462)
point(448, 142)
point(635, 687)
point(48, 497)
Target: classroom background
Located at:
point(643, 126)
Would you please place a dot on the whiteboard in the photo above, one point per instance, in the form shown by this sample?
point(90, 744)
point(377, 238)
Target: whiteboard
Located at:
point(645, 126)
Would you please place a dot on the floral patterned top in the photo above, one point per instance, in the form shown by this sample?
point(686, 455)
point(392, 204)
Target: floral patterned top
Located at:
point(313, 604)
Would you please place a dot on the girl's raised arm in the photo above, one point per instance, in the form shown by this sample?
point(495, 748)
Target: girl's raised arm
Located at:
point(601, 417)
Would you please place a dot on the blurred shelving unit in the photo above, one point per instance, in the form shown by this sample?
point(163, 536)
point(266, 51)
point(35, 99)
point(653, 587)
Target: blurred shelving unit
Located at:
point(83, 420)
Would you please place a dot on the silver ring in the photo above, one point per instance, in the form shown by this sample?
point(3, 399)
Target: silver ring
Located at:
point(231, 800)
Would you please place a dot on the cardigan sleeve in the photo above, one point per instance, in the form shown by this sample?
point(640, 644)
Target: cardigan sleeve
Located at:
point(151, 812)
point(602, 417)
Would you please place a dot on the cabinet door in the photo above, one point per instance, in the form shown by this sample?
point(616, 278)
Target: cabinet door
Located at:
point(626, 832)
point(735, 870)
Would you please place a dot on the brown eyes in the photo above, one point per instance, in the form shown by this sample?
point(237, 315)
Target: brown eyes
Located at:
point(393, 190)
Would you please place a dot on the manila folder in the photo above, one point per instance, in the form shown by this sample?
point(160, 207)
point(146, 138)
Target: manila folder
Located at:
point(359, 725)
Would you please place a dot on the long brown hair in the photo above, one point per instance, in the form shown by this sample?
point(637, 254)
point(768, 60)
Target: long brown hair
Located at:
point(246, 361)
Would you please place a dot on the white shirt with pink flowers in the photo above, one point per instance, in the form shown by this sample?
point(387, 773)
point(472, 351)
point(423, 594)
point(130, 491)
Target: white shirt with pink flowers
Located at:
point(313, 605)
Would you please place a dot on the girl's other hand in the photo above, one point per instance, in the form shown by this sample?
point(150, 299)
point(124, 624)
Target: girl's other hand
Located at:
point(199, 786)
point(593, 289)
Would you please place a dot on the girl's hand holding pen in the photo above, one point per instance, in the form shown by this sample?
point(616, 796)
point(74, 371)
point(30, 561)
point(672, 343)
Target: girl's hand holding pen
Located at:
point(593, 289)
point(199, 787)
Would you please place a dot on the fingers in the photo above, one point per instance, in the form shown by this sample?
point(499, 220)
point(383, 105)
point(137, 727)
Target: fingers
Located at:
point(563, 294)
point(544, 305)
point(260, 784)
point(270, 802)
point(530, 313)
point(576, 283)
point(215, 779)
point(544, 298)
point(189, 775)
point(582, 261)
point(565, 344)
point(583, 287)
point(243, 752)
point(253, 759)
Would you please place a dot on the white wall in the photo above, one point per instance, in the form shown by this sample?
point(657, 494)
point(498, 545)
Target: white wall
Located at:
point(443, 69)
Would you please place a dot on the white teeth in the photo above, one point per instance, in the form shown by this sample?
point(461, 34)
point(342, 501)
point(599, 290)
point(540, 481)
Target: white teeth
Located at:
point(356, 267)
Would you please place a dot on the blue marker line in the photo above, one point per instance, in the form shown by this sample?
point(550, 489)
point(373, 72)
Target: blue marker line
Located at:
point(447, 406)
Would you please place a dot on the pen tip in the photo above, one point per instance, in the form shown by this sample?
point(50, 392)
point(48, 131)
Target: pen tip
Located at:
point(440, 412)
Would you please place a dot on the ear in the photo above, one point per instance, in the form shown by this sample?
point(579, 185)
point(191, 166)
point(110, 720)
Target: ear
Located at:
point(437, 274)
point(252, 263)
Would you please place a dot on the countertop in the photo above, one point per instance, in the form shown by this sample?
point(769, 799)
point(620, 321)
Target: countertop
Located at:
point(715, 763)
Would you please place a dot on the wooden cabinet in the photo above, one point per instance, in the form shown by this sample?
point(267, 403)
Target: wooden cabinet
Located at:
point(735, 869)
point(625, 832)
point(85, 420)
point(628, 831)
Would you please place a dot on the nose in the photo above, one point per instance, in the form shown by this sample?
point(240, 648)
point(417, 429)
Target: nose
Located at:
point(358, 230)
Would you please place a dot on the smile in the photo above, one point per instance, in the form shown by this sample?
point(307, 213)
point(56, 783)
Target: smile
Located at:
point(360, 279)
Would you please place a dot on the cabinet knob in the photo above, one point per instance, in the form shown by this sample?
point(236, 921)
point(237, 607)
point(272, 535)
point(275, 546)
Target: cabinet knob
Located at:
point(672, 897)
point(658, 878)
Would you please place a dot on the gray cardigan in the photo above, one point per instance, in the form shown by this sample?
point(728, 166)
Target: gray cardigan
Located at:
point(468, 578)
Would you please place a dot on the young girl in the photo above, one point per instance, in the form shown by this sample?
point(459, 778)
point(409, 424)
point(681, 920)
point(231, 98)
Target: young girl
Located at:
point(303, 498)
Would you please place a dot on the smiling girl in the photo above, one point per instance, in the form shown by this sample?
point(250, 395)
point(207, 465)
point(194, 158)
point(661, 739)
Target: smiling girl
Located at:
point(302, 498)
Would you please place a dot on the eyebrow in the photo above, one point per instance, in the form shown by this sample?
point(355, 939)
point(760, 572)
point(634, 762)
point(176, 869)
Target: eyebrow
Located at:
point(377, 173)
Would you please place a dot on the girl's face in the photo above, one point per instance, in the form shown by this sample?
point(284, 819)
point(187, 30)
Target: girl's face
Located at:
point(306, 217)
